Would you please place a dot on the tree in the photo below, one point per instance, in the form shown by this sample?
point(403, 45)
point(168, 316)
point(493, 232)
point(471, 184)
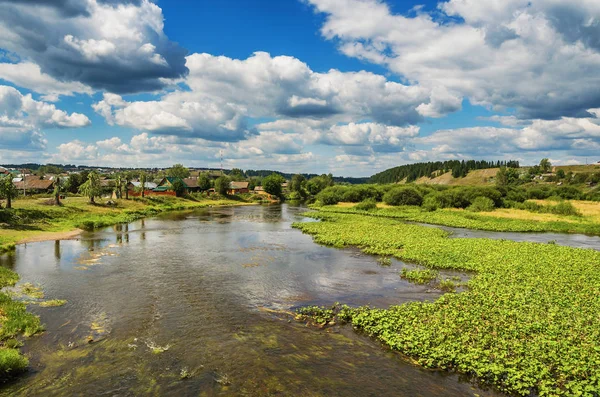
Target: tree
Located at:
point(178, 187)
point(507, 176)
point(127, 177)
point(119, 186)
point(272, 184)
point(237, 175)
point(58, 189)
point(178, 171)
point(560, 174)
point(297, 184)
point(203, 181)
point(8, 190)
point(92, 187)
point(143, 180)
point(222, 185)
point(545, 165)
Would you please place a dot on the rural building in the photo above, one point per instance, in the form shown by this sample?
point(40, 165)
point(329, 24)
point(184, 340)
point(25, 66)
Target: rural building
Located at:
point(33, 185)
point(238, 188)
point(190, 184)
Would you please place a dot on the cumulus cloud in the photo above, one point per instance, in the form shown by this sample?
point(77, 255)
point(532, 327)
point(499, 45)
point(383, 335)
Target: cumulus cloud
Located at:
point(576, 136)
point(381, 138)
point(114, 45)
point(22, 118)
point(225, 93)
point(539, 57)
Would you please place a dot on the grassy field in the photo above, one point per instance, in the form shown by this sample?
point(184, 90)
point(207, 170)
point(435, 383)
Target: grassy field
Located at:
point(527, 322)
point(473, 178)
point(36, 220)
point(500, 220)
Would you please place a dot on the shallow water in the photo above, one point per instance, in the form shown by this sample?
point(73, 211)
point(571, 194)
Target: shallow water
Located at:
point(569, 240)
point(187, 304)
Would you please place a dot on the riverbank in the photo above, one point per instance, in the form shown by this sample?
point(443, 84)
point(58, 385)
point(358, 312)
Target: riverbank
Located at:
point(500, 220)
point(35, 220)
point(525, 324)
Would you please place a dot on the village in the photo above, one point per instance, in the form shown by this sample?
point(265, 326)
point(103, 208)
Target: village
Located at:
point(117, 183)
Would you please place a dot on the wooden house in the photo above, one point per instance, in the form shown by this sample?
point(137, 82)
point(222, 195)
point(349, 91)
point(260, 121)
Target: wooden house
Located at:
point(238, 188)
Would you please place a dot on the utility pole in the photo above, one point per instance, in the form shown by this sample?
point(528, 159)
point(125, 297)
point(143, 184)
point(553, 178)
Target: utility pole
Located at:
point(24, 182)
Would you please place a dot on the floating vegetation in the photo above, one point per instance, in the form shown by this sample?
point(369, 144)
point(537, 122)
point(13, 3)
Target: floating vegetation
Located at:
point(527, 324)
point(385, 261)
point(185, 373)
point(156, 349)
point(31, 291)
point(53, 303)
point(419, 276)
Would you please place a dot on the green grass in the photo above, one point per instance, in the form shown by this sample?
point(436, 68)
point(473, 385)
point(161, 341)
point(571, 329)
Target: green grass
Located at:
point(527, 322)
point(477, 221)
point(31, 218)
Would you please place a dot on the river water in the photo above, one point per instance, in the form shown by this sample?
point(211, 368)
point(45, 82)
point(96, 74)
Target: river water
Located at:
point(189, 304)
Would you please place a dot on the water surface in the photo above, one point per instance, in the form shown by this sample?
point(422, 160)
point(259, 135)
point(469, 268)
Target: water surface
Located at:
point(189, 304)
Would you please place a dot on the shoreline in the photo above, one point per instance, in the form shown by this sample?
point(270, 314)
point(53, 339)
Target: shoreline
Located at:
point(52, 236)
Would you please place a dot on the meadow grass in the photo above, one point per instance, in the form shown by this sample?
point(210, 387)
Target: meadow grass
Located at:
point(527, 322)
point(501, 220)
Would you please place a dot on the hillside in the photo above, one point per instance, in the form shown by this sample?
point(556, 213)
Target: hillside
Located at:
point(473, 178)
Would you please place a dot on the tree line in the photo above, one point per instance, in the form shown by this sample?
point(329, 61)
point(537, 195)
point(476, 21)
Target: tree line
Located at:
point(459, 169)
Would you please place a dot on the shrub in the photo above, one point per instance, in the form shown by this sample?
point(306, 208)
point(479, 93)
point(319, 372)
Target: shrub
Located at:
point(405, 195)
point(366, 205)
point(565, 208)
point(431, 202)
point(481, 204)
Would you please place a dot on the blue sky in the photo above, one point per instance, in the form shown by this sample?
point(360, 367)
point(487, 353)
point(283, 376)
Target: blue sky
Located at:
point(344, 86)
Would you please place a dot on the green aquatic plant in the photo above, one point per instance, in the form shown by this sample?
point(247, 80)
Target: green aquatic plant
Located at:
point(385, 261)
point(53, 303)
point(527, 324)
point(419, 276)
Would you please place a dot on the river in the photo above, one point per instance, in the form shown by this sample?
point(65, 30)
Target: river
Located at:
point(188, 304)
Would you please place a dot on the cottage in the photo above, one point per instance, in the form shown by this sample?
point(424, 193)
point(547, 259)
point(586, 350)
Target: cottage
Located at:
point(190, 184)
point(33, 185)
point(238, 188)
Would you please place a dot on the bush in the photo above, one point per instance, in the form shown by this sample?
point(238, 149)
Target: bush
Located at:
point(366, 205)
point(568, 192)
point(431, 202)
point(403, 196)
point(481, 204)
point(565, 208)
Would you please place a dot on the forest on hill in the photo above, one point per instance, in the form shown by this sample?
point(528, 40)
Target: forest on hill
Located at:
point(412, 172)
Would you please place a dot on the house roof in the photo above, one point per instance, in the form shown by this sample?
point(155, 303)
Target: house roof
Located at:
point(191, 182)
point(34, 183)
point(147, 185)
point(238, 185)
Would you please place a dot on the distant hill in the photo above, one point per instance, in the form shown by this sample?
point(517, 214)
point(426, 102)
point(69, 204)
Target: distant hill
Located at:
point(473, 178)
point(456, 168)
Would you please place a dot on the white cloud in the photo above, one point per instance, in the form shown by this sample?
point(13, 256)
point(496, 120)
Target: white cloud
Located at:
point(116, 45)
point(22, 119)
point(538, 56)
point(29, 75)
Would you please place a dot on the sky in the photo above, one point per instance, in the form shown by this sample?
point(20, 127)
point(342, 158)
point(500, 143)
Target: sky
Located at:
point(350, 87)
